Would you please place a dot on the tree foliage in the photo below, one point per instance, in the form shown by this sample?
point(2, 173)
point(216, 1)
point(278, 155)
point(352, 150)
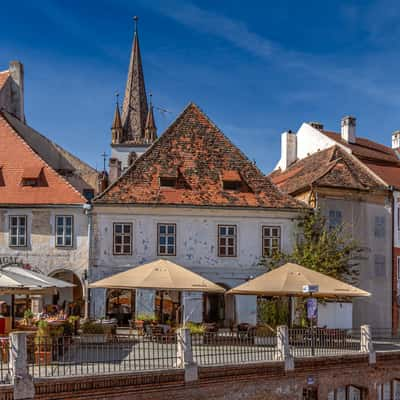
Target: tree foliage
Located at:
point(331, 251)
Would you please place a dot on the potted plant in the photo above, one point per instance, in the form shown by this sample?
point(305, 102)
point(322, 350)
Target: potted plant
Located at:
point(264, 336)
point(43, 343)
point(93, 332)
point(28, 317)
point(197, 331)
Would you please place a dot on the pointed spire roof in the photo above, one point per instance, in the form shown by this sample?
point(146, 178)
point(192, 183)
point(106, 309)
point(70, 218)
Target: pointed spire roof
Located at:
point(116, 127)
point(135, 109)
point(151, 128)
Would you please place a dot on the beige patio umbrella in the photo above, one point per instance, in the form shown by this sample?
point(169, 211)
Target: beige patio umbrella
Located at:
point(289, 280)
point(159, 275)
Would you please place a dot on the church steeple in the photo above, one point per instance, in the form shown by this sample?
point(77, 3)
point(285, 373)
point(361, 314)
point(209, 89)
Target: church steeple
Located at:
point(135, 109)
point(150, 132)
point(116, 128)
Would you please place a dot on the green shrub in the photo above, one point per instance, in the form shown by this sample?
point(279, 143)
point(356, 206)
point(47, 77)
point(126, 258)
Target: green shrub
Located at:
point(195, 328)
point(92, 328)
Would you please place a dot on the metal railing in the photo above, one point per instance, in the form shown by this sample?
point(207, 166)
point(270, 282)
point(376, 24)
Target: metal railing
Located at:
point(316, 342)
point(233, 348)
point(5, 373)
point(99, 354)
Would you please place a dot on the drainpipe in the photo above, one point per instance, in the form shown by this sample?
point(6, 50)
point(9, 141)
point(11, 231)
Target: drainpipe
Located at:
point(88, 212)
point(394, 266)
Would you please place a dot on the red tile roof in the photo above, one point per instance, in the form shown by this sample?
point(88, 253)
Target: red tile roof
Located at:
point(201, 153)
point(18, 160)
point(332, 167)
point(3, 77)
point(366, 149)
point(380, 159)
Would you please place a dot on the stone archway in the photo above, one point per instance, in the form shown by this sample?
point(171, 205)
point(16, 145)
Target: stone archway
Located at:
point(71, 299)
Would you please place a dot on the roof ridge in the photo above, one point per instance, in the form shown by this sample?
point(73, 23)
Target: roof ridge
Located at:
point(29, 148)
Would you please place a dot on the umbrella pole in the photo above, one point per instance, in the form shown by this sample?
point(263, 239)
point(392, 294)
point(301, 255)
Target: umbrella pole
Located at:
point(312, 333)
point(12, 311)
point(161, 306)
point(290, 303)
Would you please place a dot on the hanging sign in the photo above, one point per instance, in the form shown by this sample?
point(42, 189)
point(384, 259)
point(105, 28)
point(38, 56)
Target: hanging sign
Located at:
point(312, 308)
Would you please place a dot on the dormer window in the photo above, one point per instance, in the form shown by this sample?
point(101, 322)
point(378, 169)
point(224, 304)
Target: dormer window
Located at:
point(231, 180)
point(31, 176)
point(167, 181)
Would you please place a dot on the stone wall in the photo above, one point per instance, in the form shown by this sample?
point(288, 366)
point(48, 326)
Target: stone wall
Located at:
point(244, 382)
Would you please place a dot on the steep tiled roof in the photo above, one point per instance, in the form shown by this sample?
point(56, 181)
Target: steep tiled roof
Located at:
point(17, 159)
point(78, 173)
point(198, 154)
point(3, 77)
point(332, 167)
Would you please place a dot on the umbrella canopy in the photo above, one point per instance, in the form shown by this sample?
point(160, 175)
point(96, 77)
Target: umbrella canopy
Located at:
point(14, 280)
point(159, 275)
point(289, 280)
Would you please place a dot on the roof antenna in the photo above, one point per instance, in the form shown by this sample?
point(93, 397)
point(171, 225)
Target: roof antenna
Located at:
point(104, 155)
point(136, 19)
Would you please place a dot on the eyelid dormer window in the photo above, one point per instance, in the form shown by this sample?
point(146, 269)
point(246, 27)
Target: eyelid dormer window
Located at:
point(31, 176)
point(231, 180)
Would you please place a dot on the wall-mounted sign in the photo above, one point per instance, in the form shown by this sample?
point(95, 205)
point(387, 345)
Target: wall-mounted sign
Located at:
point(310, 380)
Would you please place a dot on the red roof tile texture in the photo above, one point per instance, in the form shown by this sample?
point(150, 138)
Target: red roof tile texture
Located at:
point(201, 155)
point(380, 159)
point(366, 149)
point(332, 167)
point(17, 161)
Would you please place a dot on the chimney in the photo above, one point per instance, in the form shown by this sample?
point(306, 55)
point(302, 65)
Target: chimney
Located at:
point(288, 149)
point(349, 129)
point(316, 125)
point(102, 181)
point(114, 169)
point(396, 140)
point(17, 90)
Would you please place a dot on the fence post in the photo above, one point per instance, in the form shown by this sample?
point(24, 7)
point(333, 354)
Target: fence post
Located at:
point(185, 355)
point(24, 388)
point(366, 345)
point(283, 350)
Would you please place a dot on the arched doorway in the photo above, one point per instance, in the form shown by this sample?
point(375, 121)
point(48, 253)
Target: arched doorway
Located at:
point(219, 308)
point(69, 299)
point(120, 304)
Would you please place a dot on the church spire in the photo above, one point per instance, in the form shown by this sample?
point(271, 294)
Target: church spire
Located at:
point(135, 109)
point(150, 131)
point(116, 127)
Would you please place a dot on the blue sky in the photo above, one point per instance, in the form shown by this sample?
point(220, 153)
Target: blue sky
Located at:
point(256, 68)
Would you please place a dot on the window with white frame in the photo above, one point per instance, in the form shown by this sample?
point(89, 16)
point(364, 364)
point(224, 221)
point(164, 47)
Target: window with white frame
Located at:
point(384, 391)
point(166, 245)
point(335, 219)
point(122, 238)
point(271, 238)
point(227, 240)
point(18, 231)
point(379, 228)
point(64, 230)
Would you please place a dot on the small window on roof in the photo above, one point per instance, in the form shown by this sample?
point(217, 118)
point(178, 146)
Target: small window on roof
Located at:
point(31, 176)
point(167, 181)
point(231, 180)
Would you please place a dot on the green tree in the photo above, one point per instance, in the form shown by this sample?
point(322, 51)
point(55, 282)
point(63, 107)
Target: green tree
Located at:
point(331, 251)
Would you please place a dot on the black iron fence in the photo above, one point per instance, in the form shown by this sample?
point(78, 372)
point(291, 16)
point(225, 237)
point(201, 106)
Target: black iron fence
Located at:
point(100, 354)
point(233, 348)
point(305, 342)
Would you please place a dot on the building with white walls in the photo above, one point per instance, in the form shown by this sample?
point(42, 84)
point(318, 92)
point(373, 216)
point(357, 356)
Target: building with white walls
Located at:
point(352, 180)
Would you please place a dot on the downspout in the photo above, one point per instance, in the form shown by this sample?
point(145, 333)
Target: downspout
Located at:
point(88, 212)
point(394, 264)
